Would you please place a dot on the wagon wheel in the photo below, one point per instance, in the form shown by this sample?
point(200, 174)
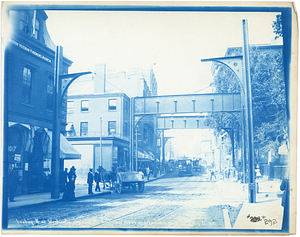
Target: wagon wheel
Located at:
point(119, 185)
point(141, 186)
point(133, 187)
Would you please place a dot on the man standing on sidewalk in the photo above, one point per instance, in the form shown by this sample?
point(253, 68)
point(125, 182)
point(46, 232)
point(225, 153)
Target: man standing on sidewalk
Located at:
point(97, 180)
point(148, 172)
point(90, 181)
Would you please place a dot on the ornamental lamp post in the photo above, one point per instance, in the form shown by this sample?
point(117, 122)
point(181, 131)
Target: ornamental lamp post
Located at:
point(240, 66)
point(58, 96)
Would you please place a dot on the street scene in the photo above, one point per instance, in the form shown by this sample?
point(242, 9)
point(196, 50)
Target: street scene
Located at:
point(136, 118)
point(168, 201)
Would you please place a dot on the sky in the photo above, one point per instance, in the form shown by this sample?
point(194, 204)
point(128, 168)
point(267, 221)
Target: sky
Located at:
point(172, 43)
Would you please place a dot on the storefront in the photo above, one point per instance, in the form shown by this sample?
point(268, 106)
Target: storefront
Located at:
point(29, 152)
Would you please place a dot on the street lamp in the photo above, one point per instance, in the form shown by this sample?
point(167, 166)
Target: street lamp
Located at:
point(240, 66)
point(136, 147)
point(100, 141)
point(58, 96)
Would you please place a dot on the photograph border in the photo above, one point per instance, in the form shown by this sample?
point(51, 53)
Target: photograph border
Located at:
point(290, 52)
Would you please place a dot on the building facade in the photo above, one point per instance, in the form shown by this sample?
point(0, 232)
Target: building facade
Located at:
point(99, 121)
point(100, 104)
point(28, 71)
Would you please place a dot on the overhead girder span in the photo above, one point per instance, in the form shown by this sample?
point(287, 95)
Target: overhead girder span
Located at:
point(181, 122)
point(191, 103)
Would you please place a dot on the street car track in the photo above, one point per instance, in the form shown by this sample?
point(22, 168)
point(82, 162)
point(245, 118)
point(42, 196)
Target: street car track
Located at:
point(150, 207)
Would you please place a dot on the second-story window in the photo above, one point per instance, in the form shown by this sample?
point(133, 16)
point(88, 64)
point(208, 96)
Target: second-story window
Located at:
point(84, 129)
point(84, 106)
point(50, 82)
point(36, 29)
point(24, 19)
point(27, 85)
point(126, 106)
point(112, 127)
point(112, 105)
point(125, 129)
point(70, 107)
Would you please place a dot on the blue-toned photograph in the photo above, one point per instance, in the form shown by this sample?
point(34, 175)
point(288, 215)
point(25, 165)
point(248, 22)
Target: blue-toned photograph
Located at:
point(149, 118)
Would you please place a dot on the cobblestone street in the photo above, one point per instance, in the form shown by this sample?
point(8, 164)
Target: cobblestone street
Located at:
point(170, 202)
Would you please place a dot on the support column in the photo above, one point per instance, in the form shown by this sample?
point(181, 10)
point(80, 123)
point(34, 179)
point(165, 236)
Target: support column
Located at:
point(163, 149)
point(249, 116)
point(56, 124)
point(131, 133)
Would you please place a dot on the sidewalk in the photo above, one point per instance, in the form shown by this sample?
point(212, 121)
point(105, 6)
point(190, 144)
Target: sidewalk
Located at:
point(266, 212)
point(81, 191)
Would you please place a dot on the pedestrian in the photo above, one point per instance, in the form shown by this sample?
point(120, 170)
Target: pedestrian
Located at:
point(212, 174)
point(69, 194)
point(285, 186)
point(97, 180)
point(13, 182)
point(148, 172)
point(90, 181)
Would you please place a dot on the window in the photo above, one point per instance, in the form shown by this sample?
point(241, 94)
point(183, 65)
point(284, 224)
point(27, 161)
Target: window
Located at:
point(84, 129)
point(36, 29)
point(126, 106)
point(24, 19)
point(50, 83)
point(125, 129)
point(112, 104)
point(84, 106)
point(70, 107)
point(27, 84)
point(111, 127)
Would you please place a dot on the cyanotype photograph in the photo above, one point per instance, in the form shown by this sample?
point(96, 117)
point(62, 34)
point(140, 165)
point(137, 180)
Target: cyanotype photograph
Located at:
point(149, 118)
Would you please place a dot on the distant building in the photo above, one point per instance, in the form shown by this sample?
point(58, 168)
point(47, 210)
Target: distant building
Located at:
point(28, 70)
point(91, 114)
point(106, 95)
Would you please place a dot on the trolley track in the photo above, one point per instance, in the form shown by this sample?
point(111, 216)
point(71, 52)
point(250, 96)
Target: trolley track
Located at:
point(151, 209)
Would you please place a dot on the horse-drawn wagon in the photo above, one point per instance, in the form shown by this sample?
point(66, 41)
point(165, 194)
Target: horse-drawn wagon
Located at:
point(131, 180)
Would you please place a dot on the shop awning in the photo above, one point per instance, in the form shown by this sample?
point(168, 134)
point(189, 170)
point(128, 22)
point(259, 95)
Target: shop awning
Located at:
point(147, 156)
point(67, 151)
point(145, 160)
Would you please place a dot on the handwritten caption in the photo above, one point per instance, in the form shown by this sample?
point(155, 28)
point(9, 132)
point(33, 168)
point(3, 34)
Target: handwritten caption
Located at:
point(38, 222)
point(267, 221)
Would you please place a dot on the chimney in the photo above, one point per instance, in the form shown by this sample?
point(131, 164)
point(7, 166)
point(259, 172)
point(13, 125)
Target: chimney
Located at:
point(100, 78)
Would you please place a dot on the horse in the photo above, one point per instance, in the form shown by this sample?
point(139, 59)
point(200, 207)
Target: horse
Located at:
point(108, 178)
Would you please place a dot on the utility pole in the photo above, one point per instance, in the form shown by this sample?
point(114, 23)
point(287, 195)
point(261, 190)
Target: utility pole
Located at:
point(55, 163)
point(249, 116)
point(136, 148)
point(240, 66)
point(162, 150)
point(100, 141)
point(58, 95)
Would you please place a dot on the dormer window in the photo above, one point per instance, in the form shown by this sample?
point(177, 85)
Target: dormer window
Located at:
point(24, 19)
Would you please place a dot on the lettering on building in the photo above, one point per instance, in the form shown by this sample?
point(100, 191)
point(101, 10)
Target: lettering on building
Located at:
point(30, 50)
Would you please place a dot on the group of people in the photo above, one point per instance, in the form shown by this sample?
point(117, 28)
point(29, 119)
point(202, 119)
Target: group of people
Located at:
point(90, 180)
point(69, 184)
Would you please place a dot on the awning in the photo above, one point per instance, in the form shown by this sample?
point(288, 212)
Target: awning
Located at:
point(145, 160)
point(67, 151)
